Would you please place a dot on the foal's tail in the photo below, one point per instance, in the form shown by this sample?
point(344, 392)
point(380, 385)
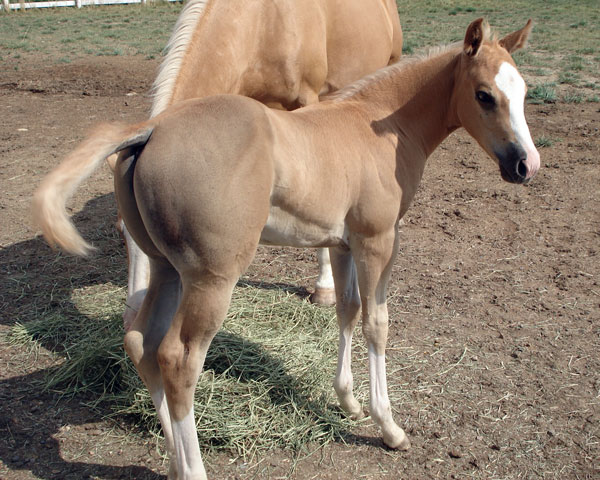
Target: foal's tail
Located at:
point(51, 196)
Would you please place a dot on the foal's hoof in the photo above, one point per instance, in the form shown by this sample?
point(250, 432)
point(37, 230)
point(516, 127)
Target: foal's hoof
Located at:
point(323, 296)
point(358, 415)
point(399, 442)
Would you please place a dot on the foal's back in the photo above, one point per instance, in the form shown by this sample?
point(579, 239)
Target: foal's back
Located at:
point(217, 170)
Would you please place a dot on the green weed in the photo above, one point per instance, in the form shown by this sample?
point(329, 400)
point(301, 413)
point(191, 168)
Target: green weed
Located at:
point(543, 142)
point(544, 93)
point(568, 78)
point(572, 98)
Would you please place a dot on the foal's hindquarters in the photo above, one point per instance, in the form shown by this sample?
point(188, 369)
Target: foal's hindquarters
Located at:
point(199, 242)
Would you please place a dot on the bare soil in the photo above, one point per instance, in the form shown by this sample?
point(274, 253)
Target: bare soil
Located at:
point(494, 302)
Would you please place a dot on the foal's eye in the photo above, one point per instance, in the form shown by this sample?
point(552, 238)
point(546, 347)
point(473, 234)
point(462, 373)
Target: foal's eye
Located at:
point(485, 99)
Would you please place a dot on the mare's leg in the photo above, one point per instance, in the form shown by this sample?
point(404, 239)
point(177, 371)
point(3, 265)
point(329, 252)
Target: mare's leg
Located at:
point(138, 266)
point(324, 288)
point(138, 273)
point(181, 357)
point(145, 335)
point(348, 312)
point(374, 258)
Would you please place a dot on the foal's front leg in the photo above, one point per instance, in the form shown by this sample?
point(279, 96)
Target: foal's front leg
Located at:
point(374, 257)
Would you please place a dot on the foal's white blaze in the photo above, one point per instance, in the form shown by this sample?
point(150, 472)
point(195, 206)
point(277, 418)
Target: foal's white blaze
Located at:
point(511, 84)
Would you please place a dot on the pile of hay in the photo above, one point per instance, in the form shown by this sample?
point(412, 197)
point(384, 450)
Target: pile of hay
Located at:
point(267, 378)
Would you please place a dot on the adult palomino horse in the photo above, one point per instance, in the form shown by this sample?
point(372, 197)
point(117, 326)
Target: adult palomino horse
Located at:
point(339, 174)
point(284, 54)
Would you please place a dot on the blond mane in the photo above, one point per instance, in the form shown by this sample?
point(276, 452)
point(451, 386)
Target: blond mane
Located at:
point(164, 84)
point(385, 72)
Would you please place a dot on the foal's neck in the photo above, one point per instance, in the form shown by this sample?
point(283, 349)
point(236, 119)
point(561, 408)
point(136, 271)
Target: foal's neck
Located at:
point(413, 102)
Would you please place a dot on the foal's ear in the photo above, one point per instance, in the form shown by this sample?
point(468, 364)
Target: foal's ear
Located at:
point(516, 40)
point(476, 33)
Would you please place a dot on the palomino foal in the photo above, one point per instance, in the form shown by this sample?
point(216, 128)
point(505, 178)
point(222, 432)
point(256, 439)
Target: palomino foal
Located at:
point(284, 54)
point(203, 183)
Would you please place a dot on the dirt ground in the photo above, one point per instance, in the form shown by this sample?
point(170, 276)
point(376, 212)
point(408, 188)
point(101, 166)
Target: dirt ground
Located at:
point(494, 303)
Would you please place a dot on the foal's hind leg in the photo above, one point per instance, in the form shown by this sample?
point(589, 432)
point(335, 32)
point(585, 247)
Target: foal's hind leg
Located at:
point(348, 312)
point(145, 335)
point(374, 258)
point(181, 357)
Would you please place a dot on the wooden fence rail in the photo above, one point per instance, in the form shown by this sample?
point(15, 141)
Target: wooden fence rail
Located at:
point(6, 5)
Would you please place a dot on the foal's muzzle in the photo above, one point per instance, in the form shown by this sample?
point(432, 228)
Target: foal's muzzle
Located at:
point(513, 164)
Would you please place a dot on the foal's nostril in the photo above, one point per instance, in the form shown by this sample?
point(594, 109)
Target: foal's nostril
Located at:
point(522, 169)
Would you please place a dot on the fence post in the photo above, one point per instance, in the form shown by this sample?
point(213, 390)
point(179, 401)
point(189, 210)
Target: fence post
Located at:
point(78, 2)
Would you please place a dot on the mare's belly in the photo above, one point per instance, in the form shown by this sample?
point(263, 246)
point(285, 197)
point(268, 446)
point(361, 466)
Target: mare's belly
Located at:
point(285, 229)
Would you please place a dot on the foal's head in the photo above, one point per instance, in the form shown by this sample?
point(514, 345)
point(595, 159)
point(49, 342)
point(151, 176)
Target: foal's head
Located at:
point(490, 97)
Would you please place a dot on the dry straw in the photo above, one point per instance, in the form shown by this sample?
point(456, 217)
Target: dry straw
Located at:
point(267, 379)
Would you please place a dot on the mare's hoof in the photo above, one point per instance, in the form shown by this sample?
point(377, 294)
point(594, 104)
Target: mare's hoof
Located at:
point(323, 296)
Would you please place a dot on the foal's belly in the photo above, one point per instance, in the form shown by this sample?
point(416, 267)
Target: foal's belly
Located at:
point(285, 229)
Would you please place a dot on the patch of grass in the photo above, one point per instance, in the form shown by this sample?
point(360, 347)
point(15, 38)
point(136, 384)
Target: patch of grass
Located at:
point(457, 10)
point(428, 23)
point(408, 48)
point(571, 97)
point(575, 63)
point(267, 379)
point(543, 142)
point(586, 51)
point(594, 99)
point(544, 93)
point(51, 31)
point(569, 78)
point(539, 72)
point(527, 58)
point(108, 52)
point(581, 23)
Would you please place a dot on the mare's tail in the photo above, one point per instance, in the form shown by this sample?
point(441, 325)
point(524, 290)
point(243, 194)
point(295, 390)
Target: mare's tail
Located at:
point(50, 198)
